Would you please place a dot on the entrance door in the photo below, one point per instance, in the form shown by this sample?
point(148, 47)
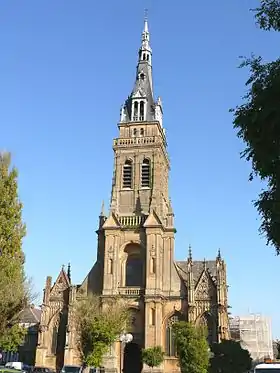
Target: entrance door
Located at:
point(132, 362)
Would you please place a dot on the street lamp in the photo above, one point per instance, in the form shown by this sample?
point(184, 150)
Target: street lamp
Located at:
point(124, 339)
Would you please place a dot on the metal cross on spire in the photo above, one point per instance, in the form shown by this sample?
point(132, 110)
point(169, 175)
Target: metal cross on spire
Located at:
point(145, 14)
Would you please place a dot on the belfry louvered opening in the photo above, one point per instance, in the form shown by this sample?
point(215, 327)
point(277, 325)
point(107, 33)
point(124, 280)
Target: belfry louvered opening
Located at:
point(127, 174)
point(145, 173)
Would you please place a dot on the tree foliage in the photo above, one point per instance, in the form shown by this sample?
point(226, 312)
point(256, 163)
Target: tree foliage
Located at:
point(13, 287)
point(257, 122)
point(192, 347)
point(268, 15)
point(278, 348)
point(229, 357)
point(98, 327)
point(153, 356)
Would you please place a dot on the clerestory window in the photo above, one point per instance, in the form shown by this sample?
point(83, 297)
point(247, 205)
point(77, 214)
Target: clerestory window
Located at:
point(145, 173)
point(127, 174)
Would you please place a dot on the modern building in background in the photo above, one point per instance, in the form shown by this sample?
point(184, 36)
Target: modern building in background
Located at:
point(254, 333)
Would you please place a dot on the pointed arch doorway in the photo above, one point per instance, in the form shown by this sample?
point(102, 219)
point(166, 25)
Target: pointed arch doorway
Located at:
point(132, 359)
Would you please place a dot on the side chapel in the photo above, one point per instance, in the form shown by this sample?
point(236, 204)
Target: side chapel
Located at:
point(135, 249)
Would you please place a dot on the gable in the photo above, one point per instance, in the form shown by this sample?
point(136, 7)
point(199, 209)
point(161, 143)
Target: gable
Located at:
point(111, 222)
point(152, 220)
point(138, 94)
point(61, 284)
point(205, 288)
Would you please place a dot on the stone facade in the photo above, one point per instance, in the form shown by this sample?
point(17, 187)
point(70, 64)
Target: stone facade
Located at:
point(135, 249)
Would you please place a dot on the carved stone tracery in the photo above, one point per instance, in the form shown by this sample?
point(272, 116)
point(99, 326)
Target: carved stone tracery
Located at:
point(204, 288)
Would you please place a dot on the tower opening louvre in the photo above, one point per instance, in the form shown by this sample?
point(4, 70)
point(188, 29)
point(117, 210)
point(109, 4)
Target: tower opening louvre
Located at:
point(127, 174)
point(145, 174)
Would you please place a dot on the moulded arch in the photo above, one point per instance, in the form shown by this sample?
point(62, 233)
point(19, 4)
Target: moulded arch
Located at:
point(132, 265)
point(171, 314)
point(207, 320)
point(168, 336)
point(145, 158)
point(128, 160)
point(125, 244)
point(207, 315)
point(54, 318)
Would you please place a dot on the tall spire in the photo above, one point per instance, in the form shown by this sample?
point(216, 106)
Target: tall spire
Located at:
point(140, 105)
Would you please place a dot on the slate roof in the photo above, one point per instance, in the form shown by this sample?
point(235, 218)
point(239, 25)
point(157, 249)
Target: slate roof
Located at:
point(30, 315)
point(198, 267)
point(146, 89)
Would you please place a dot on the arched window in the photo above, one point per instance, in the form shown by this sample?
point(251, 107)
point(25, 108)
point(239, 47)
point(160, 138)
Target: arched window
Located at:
point(134, 132)
point(153, 265)
point(206, 321)
point(127, 174)
point(170, 348)
point(142, 76)
point(142, 132)
point(148, 57)
point(144, 56)
point(142, 112)
point(152, 316)
point(135, 115)
point(134, 271)
point(145, 173)
point(110, 266)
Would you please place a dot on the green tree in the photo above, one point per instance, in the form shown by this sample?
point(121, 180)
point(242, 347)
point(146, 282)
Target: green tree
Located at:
point(257, 121)
point(268, 15)
point(278, 348)
point(13, 287)
point(98, 327)
point(229, 357)
point(153, 356)
point(192, 347)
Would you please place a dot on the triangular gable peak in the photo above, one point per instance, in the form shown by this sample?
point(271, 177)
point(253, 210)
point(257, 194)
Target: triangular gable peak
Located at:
point(111, 222)
point(152, 221)
point(61, 284)
point(205, 287)
point(138, 94)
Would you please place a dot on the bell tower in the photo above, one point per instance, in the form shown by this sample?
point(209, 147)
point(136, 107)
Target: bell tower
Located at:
point(136, 240)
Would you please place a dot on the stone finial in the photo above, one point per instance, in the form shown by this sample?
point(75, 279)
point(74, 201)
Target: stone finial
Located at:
point(190, 253)
point(102, 212)
point(219, 257)
point(69, 272)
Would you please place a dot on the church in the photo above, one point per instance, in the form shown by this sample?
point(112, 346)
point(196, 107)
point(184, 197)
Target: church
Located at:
point(135, 250)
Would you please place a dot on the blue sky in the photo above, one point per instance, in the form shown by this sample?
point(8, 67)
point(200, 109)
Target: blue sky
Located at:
point(67, 66)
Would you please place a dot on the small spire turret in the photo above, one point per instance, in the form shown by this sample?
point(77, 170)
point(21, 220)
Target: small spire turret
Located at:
point(190, 254)
point(102, 212)
point(69, 272)
point(102, 216)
